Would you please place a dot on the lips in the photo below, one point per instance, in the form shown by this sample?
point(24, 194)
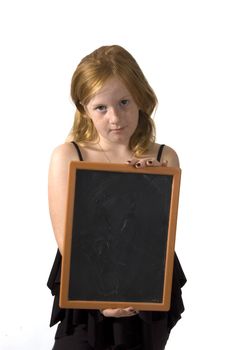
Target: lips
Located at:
point(117, 129)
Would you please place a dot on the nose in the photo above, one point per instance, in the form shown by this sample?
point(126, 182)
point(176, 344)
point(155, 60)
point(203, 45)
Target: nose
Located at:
point(114, 116)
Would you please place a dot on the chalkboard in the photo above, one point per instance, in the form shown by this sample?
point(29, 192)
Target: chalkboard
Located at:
point(120, 236)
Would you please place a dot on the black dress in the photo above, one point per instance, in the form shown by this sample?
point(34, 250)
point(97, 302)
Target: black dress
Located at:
point(89, 329)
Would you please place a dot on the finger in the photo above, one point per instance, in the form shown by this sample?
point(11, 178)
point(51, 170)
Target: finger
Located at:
point(138, 163)
point(113, 312)
point(132, 161)
point(126, 313)
point(152, 162)
point(146, 162)
point(149, 162)
point(131, 310)
point(119, 312)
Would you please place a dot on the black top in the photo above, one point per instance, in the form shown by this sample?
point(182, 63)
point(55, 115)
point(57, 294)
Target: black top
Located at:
point(103, 331)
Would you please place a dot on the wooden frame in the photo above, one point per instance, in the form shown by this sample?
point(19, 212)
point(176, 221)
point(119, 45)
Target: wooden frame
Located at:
point(118, 238)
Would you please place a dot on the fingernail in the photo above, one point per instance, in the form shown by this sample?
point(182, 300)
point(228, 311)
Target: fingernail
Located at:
point(138, 165)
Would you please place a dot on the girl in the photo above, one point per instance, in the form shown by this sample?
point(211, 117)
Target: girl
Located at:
point(112, 124)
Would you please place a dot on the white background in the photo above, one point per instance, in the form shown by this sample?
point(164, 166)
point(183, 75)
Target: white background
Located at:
point(184, 48)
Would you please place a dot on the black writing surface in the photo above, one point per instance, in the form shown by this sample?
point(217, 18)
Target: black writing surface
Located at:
point(119, 236)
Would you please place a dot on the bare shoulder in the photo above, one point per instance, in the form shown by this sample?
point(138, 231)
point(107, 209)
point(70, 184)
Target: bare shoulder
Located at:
point(170, 156)
point(65, 153)
point(60, 159)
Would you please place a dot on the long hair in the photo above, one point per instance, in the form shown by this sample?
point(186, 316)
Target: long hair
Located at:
point(92, 73)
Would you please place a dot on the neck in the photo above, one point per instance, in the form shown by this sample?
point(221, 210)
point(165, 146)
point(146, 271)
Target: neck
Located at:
point(114, 147)
point(115, 153)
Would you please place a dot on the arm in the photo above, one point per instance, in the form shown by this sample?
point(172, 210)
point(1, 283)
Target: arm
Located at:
point(57, 188)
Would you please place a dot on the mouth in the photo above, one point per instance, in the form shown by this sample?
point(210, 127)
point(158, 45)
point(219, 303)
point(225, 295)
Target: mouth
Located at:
point(117, 129)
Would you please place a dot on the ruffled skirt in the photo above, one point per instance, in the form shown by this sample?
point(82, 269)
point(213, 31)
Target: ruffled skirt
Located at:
point(148, 330)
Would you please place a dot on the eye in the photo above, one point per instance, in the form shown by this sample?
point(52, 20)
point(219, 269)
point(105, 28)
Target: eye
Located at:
point(124, 102)
point(101, 108)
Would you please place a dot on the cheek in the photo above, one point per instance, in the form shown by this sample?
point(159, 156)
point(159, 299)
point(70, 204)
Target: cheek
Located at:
point(136, 117)
point(100, 125)
point(95, 121)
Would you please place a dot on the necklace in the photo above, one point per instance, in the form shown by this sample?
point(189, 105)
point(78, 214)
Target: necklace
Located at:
point(106, 156)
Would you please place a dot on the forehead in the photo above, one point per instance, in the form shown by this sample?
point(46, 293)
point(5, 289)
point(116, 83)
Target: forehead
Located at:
point(113, 89)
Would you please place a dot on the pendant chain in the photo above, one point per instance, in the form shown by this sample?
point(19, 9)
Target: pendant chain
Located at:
point(106, 156)
point(108, 159)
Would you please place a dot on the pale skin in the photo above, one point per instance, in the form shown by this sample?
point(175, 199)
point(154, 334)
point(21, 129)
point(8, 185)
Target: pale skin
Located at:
point(115, 116)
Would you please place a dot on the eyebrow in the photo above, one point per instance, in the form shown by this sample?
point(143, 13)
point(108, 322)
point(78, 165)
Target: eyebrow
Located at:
point(100, 103)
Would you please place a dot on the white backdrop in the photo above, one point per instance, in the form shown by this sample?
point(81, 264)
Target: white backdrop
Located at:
point(185, 49)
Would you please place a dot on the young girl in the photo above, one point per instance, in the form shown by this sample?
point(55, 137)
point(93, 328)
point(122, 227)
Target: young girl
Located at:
point(112, 124)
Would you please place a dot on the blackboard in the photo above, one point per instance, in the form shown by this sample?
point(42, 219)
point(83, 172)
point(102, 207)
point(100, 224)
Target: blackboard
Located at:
point(120, 236)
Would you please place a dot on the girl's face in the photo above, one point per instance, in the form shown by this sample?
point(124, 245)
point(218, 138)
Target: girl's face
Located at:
point(114, 112)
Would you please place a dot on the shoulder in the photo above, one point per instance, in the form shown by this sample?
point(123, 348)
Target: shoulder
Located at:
point(65, 152)
point(168, 155)
point(61, 157)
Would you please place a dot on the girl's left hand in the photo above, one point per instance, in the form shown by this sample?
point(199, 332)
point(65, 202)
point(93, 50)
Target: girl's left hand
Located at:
point(145, 162)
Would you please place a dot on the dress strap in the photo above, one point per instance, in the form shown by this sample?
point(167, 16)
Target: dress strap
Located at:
point(160, 151)
point(161, 147)
point(78, 150)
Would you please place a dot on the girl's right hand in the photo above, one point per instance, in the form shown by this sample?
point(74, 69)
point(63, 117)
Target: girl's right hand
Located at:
point(127, 312)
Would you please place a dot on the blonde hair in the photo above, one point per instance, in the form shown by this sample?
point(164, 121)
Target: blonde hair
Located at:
point(92, 73)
